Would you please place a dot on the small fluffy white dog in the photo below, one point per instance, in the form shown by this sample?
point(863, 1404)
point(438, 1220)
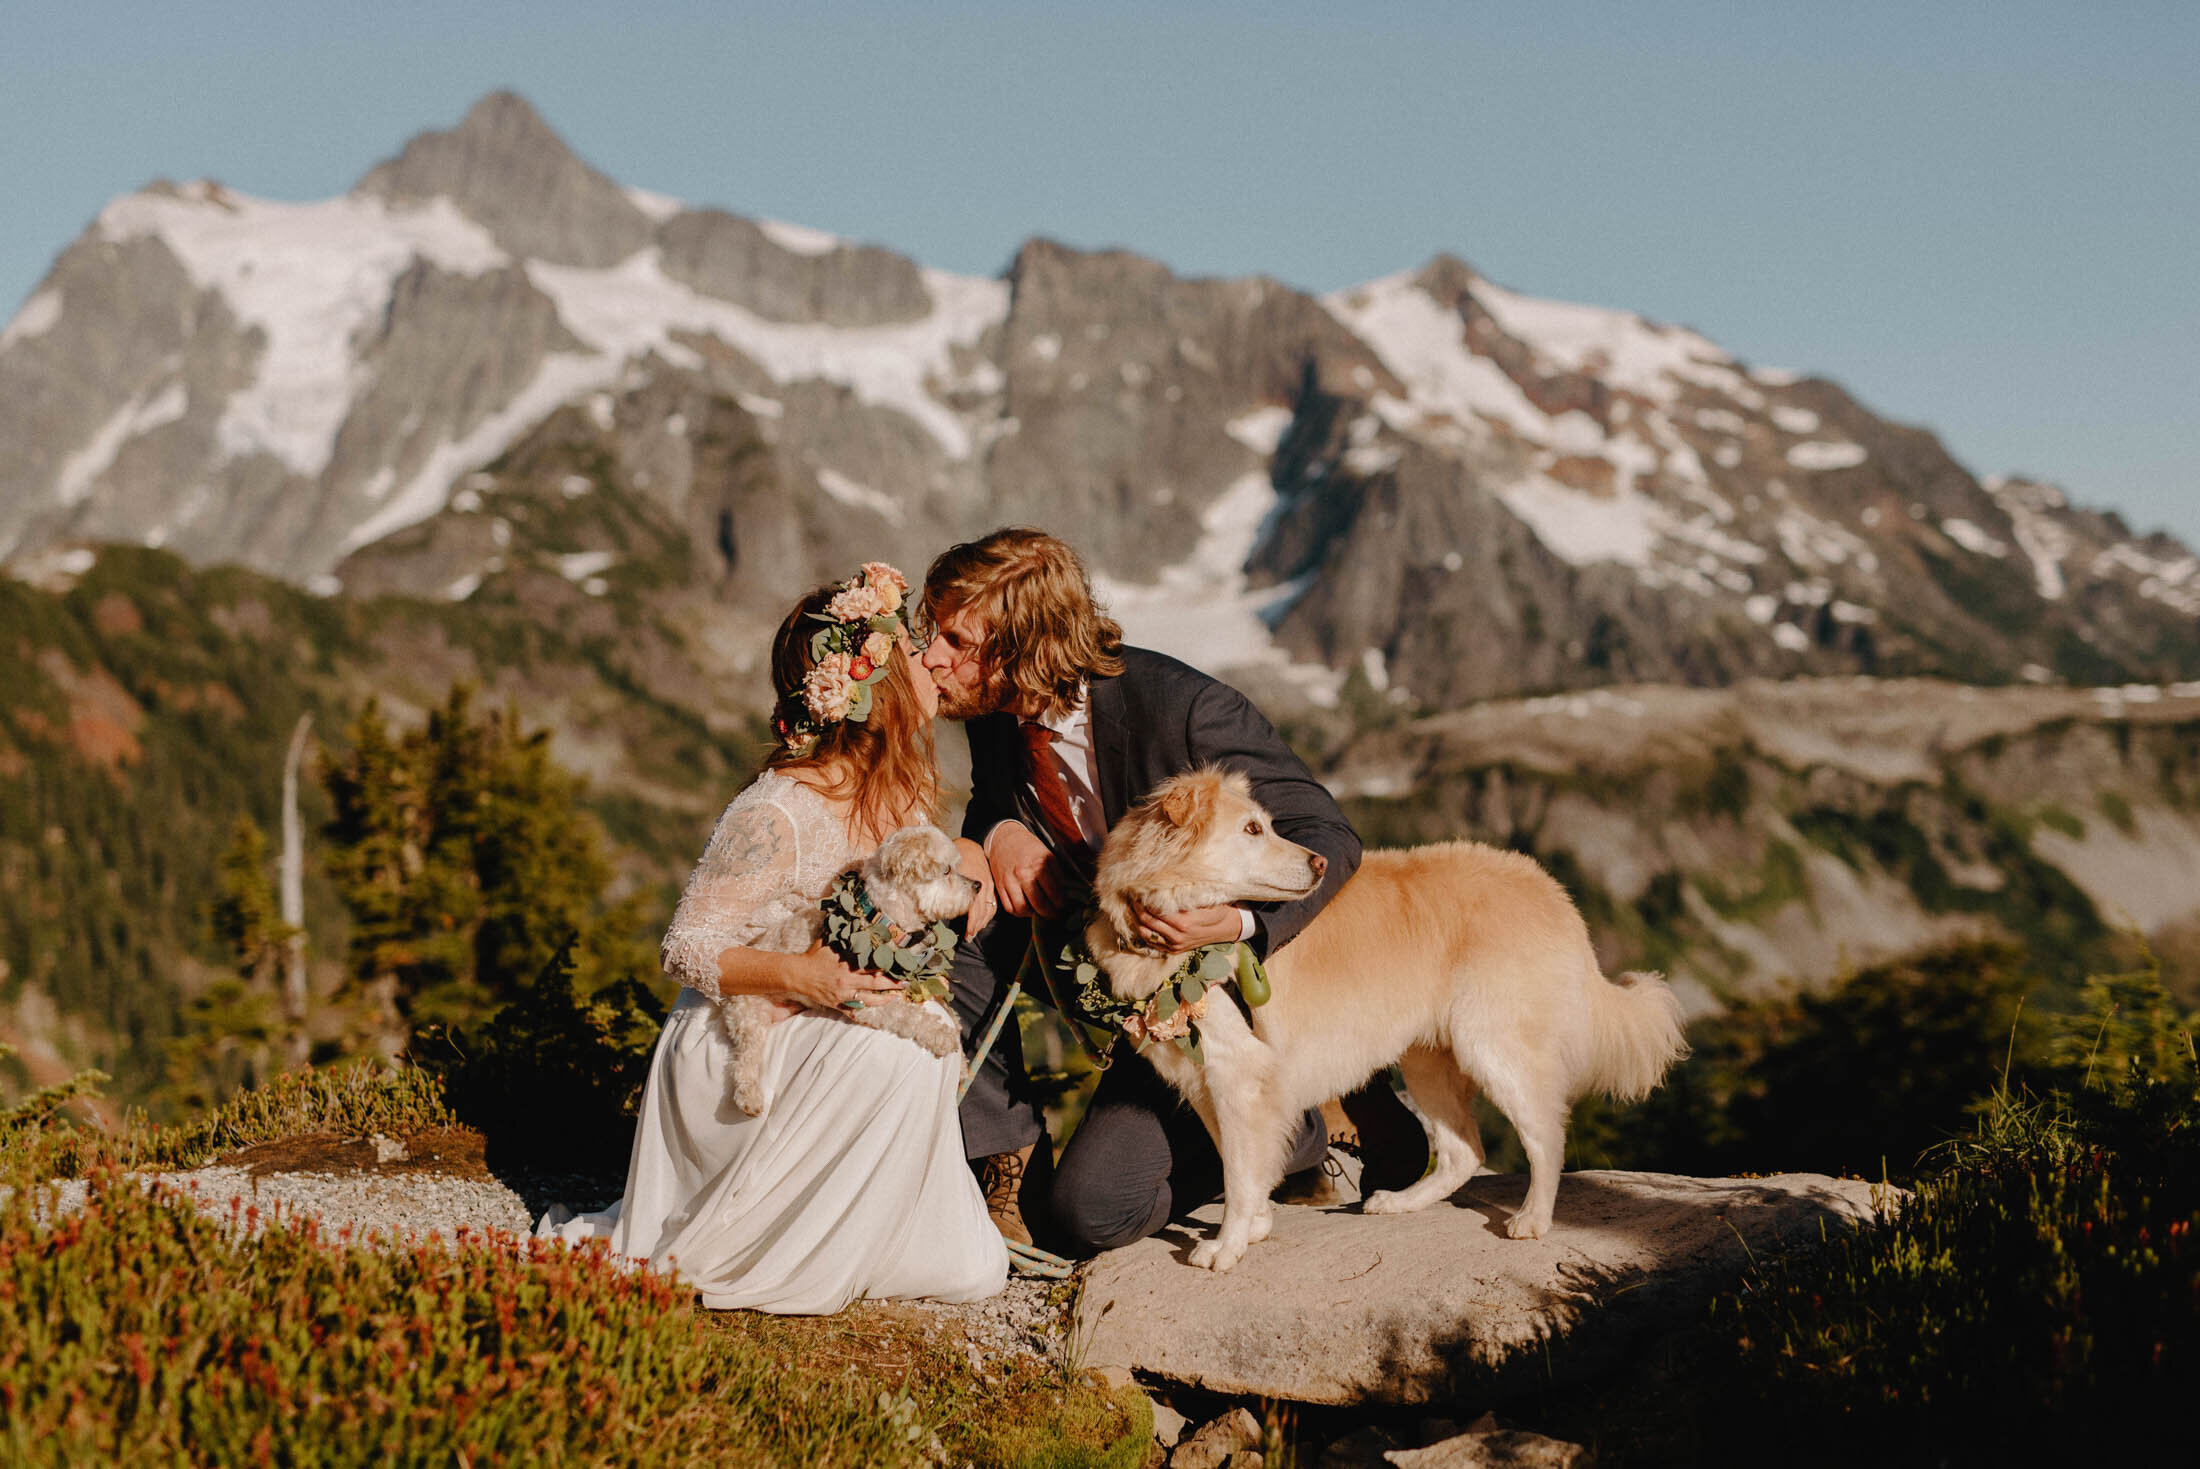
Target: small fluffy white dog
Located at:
point(913, 879)
point(1466, 965)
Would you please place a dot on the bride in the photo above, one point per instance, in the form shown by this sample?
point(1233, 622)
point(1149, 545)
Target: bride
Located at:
point(851, 1183)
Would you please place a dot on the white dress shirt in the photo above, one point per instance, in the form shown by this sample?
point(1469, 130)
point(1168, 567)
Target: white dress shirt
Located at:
point(1079, 763)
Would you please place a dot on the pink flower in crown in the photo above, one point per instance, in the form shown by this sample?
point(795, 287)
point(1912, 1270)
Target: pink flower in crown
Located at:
point(827, 688)
point(877, 646)
point(858, 604)
point(891, 584)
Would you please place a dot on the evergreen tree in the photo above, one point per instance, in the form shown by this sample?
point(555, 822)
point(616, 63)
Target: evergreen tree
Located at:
point(229, 1030)
point(247, 919)
point(466, 861)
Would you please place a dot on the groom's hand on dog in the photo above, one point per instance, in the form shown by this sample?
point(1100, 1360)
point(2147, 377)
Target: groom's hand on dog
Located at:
point(971, 863)
point(1026, 877)
point(1187, 928)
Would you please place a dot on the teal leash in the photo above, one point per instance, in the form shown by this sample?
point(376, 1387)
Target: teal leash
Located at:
point(1023, 1259)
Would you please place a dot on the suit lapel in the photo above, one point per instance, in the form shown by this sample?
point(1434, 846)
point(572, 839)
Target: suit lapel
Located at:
point(1111, 748)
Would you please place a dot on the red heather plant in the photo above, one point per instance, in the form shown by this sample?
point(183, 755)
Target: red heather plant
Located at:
point(137, 1329)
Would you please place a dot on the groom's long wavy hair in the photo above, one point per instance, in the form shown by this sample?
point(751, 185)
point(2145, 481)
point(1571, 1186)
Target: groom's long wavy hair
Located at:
point(1045, 635)
point(882, 767)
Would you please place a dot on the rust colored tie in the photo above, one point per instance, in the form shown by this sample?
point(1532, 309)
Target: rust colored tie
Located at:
point(1053, 793)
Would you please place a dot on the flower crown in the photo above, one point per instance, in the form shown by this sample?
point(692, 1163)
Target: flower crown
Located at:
point(849, 654)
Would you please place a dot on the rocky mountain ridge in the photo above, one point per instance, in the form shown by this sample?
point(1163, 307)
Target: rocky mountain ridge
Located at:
point(1430, 485)
point(1773, 836)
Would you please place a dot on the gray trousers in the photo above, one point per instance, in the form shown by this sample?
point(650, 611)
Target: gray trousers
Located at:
point(1140, 1158)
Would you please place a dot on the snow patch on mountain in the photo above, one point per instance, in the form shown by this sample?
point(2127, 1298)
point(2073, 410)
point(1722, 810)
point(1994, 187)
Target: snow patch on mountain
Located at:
point(562, 377)
point(799, 238)
point(82, 469)
point(1971, 537)
point(1260, 430)
point(1581, 528)
point(1824, 454)
point(38, 316)
point(1201, 610)
point(634, 308)
point(1630, 353)
point(578, 566)
point(1423, 343)
point(2045, 541)
point(860, 496)
point(2172, 581)
point(659, 207)
point(310, 277)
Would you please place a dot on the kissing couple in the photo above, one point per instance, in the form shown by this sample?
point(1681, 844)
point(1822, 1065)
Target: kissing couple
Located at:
point(861, 1175)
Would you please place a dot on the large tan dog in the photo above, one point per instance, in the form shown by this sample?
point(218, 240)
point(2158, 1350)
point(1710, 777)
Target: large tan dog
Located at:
point(1465, 964)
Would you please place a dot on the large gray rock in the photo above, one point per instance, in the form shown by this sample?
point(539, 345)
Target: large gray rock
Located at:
point(1494, 1448)
point(1338, 1307)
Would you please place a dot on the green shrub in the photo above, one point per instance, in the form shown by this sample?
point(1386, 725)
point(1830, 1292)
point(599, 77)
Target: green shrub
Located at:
point(354, 1099)
point(2058, 818)
point(2038, 1291)
point(553, 1075)
point(38, 1140)
point(1859, 1080)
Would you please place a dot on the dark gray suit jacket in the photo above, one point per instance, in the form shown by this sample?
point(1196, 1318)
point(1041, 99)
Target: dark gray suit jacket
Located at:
point(1160, 718)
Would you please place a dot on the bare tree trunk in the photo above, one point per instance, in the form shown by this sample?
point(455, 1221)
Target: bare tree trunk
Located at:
point(293, 897)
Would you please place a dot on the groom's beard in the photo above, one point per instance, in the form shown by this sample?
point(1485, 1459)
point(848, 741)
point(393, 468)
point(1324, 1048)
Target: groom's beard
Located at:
point(990, 695)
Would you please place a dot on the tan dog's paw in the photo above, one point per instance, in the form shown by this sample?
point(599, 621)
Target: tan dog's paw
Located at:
point(1210, 1255)
point(1386, 1201)
point(1263, 1223)
point(1525, 1226)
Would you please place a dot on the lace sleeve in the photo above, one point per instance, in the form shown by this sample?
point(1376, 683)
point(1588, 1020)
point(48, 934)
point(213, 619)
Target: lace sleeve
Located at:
point(743, 886)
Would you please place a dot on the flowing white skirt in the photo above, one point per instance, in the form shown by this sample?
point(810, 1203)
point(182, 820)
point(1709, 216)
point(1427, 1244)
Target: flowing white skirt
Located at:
point(852, 1184)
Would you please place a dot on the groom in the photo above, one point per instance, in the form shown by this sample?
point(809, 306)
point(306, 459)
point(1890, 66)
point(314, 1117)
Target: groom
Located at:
point(1068, 729)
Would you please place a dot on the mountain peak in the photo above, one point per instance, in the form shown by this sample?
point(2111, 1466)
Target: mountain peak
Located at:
point(507, 169)
point(1447, 278)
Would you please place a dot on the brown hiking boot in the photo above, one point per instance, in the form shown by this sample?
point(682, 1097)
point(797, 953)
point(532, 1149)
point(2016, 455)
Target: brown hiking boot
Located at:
point(1001, 1180)
point(1375, 1124)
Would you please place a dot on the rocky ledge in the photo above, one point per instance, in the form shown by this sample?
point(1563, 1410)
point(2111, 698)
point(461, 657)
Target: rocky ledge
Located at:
point(1337, 1307)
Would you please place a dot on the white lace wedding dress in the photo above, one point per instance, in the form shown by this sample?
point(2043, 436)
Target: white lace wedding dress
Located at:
point(852, 1182)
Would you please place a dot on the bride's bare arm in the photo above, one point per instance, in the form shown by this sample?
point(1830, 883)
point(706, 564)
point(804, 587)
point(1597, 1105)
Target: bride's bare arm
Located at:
point(816, 979)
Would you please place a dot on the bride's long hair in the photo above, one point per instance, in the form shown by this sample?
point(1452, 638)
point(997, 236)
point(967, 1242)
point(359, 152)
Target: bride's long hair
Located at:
point(883, 767)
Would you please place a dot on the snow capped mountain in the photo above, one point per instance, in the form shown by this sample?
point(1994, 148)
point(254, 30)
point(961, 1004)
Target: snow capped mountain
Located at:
point(1433, 484)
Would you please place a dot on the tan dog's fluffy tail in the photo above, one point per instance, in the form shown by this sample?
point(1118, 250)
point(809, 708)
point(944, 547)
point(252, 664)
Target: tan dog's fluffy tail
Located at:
point(1634, 1034)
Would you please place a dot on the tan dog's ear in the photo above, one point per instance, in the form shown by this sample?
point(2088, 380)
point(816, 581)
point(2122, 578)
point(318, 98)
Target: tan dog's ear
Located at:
point(1180, 803)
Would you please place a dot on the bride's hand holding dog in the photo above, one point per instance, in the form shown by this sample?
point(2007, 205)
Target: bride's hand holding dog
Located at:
point(815, 980)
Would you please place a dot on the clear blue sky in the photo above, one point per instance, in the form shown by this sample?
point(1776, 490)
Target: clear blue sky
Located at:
point(1980, 217)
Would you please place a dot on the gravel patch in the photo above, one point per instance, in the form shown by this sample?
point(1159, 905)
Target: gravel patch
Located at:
point(1028, 1318)
point(365, 1206)
point(391, 1207)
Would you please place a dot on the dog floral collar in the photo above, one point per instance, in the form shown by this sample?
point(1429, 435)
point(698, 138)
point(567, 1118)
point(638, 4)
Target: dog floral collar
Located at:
point(857, 931)
point(849, 654)
point(1171, 1013)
